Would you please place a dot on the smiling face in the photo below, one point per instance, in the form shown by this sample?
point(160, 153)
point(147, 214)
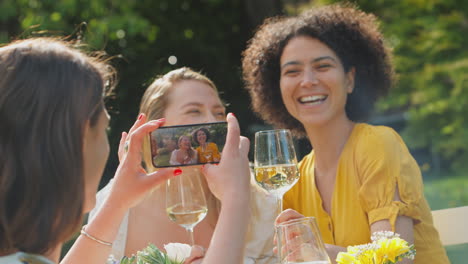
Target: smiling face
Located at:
point(201, 137)
point(184, 143)
point(313, 83)
point(192, 102)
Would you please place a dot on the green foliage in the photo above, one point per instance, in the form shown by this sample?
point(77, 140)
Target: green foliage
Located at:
point(150, 255)
point(140, 35)
point(429, 39)
point(446, 192)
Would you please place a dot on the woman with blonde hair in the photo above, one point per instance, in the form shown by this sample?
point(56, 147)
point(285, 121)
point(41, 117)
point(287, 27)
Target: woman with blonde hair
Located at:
point(185, 154)
point(183, 96)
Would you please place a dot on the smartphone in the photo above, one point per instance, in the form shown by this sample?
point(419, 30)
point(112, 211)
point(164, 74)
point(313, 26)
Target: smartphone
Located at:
point(188, 145)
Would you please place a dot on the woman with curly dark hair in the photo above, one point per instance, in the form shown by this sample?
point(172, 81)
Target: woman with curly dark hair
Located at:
point(319, 75)
point(207, 151)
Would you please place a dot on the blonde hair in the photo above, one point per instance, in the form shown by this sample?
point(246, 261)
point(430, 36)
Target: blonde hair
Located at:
point(155, 99)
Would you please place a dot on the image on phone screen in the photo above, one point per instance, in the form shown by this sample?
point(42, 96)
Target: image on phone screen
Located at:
point(188, 145)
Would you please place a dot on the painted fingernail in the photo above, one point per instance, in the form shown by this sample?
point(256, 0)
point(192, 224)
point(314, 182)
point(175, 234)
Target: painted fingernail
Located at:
point(233, 115)
point(140, 116)
point(177, 171)
point(161, 119)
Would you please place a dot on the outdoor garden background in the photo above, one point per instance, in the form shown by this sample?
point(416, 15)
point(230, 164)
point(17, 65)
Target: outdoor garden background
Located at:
point(146, 38)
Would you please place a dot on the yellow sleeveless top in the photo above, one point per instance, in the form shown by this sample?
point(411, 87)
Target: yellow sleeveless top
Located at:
point(374, 161)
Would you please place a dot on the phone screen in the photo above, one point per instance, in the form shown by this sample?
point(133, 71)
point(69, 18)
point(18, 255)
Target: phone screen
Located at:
point(188, 145)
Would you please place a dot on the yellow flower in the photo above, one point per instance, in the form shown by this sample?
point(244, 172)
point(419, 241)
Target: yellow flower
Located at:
point(391, 249)
point(345, 258)
point(366, 257)
point(386, 248)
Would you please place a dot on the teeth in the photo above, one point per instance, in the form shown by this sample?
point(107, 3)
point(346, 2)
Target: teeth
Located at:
point(312, 99)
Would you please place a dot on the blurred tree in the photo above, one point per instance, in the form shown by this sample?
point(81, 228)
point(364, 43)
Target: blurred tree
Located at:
point(429, 39)
point(148, 38)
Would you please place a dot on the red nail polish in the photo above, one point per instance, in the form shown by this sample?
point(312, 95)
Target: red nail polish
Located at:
point(140, 116)
point(177, 171)
point(233, 114)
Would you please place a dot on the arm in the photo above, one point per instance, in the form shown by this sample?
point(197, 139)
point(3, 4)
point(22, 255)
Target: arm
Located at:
point(229, 182)
point(391, 185)
point(403, 226)
point(130, 186)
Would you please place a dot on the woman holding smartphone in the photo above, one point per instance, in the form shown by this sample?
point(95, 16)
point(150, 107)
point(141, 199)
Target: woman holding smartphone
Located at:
point(53, 150)
point(182, 97)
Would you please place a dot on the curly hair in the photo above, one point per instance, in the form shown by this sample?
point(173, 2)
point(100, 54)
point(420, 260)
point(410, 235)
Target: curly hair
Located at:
point(352, 34)
point(207, 133)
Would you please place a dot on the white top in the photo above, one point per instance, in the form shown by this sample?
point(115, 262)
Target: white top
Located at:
point(259, 242)
point(193, 160)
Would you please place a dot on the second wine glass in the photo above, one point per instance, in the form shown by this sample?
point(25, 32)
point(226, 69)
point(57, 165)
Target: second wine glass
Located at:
point(185, 200)
point(299, 242)
point(275, 162)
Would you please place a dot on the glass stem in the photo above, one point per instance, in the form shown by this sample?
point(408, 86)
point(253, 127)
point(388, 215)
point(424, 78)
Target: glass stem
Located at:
point(279, 200)
point(192, 240)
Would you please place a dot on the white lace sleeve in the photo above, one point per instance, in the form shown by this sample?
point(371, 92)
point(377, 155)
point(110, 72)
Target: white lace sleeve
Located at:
point(118, 246)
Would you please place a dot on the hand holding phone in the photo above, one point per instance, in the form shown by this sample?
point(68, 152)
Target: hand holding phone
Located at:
point(187, 145)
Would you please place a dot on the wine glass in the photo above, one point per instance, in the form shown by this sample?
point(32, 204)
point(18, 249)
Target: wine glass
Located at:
point(185, 200)
point(299, 241)
point(275, 162)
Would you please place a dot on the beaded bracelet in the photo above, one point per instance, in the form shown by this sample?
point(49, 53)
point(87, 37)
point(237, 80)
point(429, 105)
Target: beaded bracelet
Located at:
point(83, 232)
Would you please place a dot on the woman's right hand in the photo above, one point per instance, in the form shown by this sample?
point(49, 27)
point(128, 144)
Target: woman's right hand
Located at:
point(231, 176)
point(131, 181)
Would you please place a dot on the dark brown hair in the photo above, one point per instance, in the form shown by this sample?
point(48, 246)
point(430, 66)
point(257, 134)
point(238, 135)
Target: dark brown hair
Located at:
point(48, 91)
point(195, 134)
point(352, 34)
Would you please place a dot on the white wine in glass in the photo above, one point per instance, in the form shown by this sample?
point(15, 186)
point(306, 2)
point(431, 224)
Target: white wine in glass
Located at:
point(185, 200)
point(275, 162)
